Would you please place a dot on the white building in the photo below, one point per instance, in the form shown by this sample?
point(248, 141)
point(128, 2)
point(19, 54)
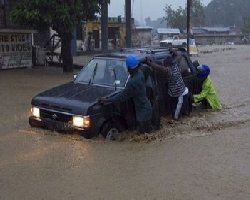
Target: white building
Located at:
point(164, 33)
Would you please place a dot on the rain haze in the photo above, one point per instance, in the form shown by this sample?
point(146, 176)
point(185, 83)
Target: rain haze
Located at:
point(142, 9)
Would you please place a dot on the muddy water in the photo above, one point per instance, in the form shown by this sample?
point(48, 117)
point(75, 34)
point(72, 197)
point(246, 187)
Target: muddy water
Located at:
point(204, 156)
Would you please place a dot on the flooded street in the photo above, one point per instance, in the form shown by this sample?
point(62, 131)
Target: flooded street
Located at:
point(205, 156)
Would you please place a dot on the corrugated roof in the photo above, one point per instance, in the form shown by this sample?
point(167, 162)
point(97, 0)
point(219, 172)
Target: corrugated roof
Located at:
point(168, 30)
point(217, 29)
point(211, 29)
point(144, 27)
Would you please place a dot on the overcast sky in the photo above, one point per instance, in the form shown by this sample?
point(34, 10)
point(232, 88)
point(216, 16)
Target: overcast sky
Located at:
point(146, 8)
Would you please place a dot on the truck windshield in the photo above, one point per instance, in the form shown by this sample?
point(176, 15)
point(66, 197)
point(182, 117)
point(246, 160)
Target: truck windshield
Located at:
point(104, 71)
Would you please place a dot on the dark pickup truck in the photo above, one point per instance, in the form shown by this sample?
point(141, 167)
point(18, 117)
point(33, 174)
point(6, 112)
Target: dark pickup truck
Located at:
point(73, 106)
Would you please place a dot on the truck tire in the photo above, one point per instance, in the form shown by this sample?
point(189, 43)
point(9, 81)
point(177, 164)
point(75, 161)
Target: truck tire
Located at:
point(87, 135)
point(111, 130)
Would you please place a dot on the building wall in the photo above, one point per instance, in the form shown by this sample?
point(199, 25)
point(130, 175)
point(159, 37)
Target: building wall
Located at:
point(218, 39)
point(117, 31)
point(142, 37)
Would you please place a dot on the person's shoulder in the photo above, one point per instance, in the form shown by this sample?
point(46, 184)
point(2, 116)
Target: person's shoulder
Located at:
point(172, 67)
point(175, 64)
point(208, 79)
point(135, 77)
point(137, 73)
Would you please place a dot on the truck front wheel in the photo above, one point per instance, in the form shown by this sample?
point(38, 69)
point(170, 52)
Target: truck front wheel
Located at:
point(111, 130)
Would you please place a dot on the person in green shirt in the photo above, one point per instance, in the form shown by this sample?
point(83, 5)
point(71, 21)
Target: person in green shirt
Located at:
point(207, 96)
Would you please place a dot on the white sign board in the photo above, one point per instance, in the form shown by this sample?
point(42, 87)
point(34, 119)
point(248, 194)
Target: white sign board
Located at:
point(15, 50)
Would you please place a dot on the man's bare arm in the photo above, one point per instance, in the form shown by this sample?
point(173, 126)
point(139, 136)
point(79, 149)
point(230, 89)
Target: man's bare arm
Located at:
point(158, 67)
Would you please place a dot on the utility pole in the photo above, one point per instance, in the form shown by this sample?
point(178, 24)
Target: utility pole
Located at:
point(189, 3)
point(104, 25)
point(128, 23)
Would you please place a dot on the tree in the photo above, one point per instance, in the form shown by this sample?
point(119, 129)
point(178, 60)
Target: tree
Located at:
point(61, 15)
point(246, 27)
point(175, 18)
point(158, 23)
point(197, 13)
point(227, 12)
point(178, 18)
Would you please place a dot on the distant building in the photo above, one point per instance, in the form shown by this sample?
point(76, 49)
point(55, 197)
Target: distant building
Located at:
point(91, 33)
point(211, 30)
point(216, 35)
point(142, 36)
point(164, 33)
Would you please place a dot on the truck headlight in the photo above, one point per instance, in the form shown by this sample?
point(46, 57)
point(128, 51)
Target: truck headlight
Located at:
point(35, 111)
point(81, 121)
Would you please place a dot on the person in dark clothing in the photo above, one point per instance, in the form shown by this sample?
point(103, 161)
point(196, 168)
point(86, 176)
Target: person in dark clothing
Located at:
point(135, 89)
point(176, 87)
point(89, 42)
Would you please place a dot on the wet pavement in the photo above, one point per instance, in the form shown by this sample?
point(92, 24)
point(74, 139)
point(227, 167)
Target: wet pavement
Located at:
point(204, 156)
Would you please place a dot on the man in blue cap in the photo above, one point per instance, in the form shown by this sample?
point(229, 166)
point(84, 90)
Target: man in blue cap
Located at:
point(135, 89)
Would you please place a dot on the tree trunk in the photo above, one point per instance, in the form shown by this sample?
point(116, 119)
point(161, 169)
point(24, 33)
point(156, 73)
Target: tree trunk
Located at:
point(128, 24)
point(104, 25)
point(66, 55)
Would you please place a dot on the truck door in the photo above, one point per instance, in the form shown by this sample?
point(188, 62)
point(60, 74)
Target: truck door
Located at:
point(186, 72)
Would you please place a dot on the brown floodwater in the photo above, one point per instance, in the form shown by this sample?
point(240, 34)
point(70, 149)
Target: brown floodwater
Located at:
point(204, 156)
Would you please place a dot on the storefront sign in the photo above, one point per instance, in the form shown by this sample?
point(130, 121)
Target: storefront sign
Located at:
point(15, 50)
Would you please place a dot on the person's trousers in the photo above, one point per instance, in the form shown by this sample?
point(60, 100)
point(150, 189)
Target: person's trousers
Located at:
point(176, 104)
point(144, 127)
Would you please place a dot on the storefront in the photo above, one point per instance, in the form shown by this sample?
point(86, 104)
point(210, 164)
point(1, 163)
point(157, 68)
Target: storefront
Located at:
point(15, 48)
point(116, 33)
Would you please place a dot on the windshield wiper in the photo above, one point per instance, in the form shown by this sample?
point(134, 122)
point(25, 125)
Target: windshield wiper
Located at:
point(93, 74)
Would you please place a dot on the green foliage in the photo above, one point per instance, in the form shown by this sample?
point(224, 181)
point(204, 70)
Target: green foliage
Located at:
point(227, 12)
point(178, 18)
point(246, 26)
point(61, 15)
point(197, 13)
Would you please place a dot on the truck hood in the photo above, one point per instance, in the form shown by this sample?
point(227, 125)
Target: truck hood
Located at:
point(71, 97)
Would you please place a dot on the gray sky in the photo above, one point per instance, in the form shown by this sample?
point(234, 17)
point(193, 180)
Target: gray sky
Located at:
point(146, 8)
